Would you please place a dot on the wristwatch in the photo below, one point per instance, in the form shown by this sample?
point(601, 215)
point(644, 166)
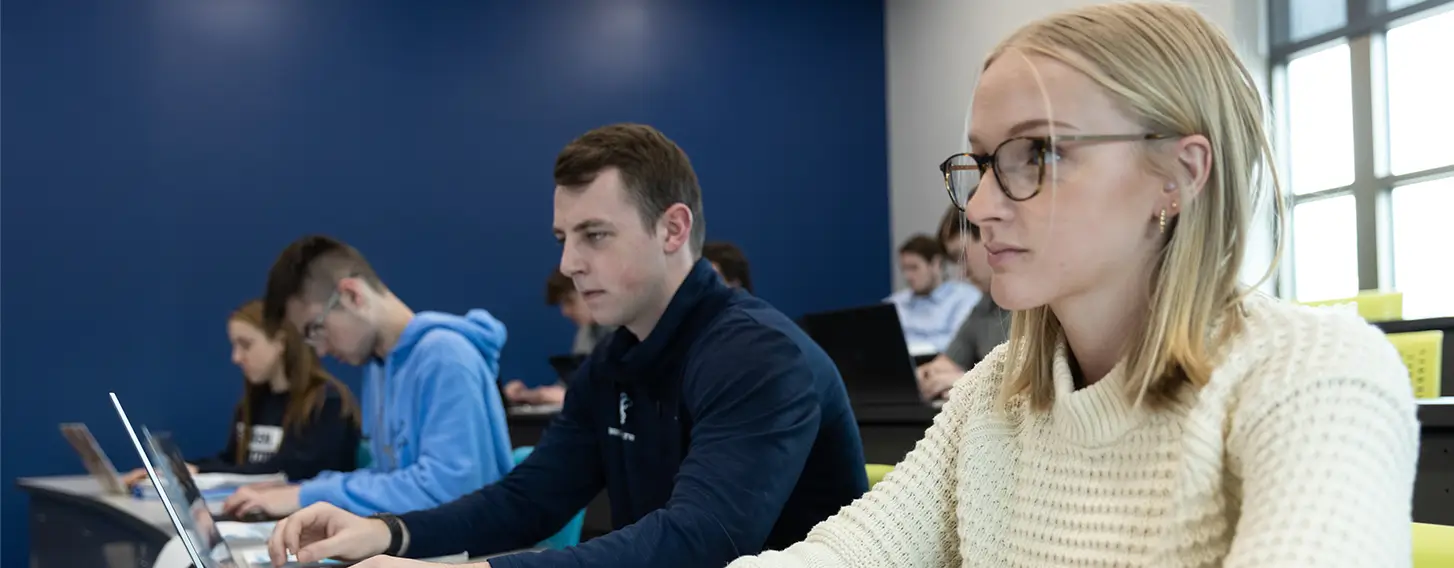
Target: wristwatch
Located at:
point(396, 532)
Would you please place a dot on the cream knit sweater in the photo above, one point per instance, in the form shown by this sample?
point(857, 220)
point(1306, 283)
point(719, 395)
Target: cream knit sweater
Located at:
point(1300, 452)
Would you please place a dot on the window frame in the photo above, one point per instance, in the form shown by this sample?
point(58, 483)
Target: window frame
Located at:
point(1372, 188)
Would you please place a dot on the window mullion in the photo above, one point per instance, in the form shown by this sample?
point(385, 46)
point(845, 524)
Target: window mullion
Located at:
point(1365, 178)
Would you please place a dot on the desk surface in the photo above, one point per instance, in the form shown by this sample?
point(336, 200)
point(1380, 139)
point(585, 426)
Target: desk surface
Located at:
point(86, 489)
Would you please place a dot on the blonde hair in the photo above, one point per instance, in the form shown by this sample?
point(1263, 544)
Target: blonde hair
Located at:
point(1176, 73)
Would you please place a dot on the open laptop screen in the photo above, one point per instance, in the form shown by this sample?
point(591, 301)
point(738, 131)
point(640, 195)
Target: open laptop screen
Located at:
point(181, 490)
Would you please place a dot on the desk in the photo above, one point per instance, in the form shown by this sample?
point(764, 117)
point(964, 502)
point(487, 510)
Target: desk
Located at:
point(1434, 486)
point(890, 431)
point(73, 523)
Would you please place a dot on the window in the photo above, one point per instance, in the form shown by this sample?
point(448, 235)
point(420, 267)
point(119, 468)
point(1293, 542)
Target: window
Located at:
point(1320, 120)
point(1420, 116)
point(1322, 240)
point(1421, 258)
point(1361, 91)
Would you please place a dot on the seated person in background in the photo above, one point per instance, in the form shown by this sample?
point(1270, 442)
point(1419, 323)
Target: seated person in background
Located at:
point(715, 425)
point(730, 263)
point(987, 326)
point(432, 412)
point(294, 417)
point(1148, 410)
point(561, 292)
point(932, 307)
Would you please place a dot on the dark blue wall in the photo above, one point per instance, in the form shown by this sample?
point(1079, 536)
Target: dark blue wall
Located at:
point(157, 155)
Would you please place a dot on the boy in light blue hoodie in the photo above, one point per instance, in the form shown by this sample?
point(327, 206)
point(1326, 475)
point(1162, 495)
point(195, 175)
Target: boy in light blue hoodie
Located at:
point(432, 414)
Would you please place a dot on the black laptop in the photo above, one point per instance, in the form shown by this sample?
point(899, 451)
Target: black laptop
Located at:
point(867, 344)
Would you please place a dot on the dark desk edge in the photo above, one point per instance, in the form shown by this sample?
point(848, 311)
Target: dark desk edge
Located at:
point(1437, 415)
point(97, 505)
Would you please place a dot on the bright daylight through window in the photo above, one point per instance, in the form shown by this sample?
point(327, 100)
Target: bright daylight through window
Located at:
point(1362, 92)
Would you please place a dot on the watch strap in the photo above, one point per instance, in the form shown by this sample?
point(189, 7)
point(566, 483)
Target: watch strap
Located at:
point(396, 532)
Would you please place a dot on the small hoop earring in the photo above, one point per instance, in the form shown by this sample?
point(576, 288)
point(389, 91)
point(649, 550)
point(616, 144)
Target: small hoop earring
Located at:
point(1163, 221)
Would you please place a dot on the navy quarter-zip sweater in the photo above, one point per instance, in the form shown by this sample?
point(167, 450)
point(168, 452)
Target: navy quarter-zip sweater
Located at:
point(724, 433)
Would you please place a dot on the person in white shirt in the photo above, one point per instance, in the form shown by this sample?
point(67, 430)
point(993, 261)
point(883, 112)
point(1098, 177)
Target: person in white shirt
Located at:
point(933, 306)
point(1148, 410)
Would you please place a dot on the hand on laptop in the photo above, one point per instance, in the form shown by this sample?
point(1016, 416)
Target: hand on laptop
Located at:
point(138, 475)
point(325, 531)
point(271, 499)
point(937, 376)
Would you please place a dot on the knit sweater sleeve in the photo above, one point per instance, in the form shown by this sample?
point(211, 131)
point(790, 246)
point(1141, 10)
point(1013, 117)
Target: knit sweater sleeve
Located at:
point(908, 518)
point(1326, 450)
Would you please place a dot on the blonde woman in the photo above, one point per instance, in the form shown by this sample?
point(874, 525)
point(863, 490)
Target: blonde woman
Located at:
point(1147, 410)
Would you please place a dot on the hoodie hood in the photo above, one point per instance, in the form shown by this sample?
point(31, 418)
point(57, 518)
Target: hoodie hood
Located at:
point(482, 330)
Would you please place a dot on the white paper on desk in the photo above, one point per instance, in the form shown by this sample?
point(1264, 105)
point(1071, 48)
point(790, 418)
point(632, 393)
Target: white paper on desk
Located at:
point(245, 532)
point(533, 409)
point(206, 481)
point(259, 557)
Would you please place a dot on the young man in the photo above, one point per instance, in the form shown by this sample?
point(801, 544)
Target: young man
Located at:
point(729, 262)
point(561, 292)
point(717, 427)
point(431, 408)
point(987, 326)
point(932, 307)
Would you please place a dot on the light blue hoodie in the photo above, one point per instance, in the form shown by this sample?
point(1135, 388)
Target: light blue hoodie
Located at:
point(442, 431)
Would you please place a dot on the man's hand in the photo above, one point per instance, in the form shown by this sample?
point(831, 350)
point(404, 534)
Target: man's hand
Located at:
point(325, 531)
point(138, 475)
point(937, 376)
point(273, 500)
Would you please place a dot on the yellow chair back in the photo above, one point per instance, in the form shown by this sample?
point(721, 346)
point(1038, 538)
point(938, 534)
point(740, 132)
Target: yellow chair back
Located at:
point(1433, 546)
point(876, 473)
point(1423, 354)
point(1373, 305)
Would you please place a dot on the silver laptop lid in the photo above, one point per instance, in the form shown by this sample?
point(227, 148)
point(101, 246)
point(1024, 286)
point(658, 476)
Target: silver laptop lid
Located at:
point(93, 457)
point(182, 500)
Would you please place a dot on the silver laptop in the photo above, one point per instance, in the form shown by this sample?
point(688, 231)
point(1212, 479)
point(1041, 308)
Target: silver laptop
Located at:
point(95, 460)
point(196, 527)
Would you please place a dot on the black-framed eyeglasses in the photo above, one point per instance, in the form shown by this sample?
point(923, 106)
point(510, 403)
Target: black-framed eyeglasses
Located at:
point(1019, 164)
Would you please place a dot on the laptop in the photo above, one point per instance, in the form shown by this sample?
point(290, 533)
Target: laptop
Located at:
point(867, 344)
point(196, 527)
point(95, 460)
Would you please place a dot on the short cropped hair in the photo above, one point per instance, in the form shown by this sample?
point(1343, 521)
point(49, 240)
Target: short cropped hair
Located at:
point(655, 171)
point(309, 269)
point(730, 259)
point(557, 287)
point(924, 246)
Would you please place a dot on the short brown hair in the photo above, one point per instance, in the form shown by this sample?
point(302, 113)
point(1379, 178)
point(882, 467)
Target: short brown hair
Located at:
point(731, 260)
point(924, 246)
point(655, 171)
point(557, 286)
point(310, 268)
